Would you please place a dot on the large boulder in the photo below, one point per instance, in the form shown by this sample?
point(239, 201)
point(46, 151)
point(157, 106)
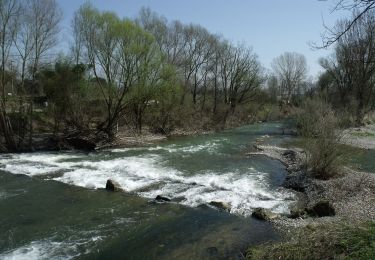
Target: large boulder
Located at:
point(220, 205)
point(322, 209)
point(112, 185)
point(264, 214)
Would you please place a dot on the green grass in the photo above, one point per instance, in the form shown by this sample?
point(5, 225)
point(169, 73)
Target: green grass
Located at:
point(338, 241)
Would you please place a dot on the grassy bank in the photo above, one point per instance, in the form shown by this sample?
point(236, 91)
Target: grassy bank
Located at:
point(338, 241)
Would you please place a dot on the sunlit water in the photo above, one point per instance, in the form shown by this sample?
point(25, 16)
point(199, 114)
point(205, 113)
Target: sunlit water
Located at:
point(52, 205)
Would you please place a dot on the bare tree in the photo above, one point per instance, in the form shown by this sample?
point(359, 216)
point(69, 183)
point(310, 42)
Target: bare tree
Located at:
point(77, 44)
point(357, 7)
point(46, 17)
point(9, 12)
point(24, 42)
point(241, 75)
point(353, 66)
point(291, 70)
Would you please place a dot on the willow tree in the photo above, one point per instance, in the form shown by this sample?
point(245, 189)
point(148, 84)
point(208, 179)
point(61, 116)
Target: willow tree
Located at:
point(126, 57)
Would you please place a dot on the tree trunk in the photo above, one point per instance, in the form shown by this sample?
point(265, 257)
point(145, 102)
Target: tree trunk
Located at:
point(7, 130)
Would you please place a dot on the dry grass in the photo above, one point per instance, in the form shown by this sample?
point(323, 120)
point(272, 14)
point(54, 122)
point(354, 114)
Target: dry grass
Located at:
point(339, 241)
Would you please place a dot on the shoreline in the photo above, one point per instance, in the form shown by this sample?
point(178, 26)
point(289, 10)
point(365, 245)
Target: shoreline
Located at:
point(352, 194)
point(46, 142)
point(360, 137)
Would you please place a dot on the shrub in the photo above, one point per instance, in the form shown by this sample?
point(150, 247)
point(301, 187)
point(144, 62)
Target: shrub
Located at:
point(318, 126)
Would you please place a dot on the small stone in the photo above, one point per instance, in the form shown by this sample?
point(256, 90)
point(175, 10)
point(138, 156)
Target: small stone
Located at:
point(220, 205)
point(160, 198)
point(264, 214)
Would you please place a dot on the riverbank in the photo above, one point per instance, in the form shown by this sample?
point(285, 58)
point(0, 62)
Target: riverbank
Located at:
point(361, 137)
point(349, 199)
point(126, 138)
point(352, 193)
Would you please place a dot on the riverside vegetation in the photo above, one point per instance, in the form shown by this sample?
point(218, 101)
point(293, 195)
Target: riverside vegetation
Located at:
point(152, 77)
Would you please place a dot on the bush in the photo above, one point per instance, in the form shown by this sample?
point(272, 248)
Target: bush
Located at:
point(318, 126)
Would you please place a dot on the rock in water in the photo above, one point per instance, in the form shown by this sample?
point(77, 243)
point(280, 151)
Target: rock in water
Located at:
point(322, 209)
point(220, 205)
point(112, 185)
point(264, 214)
point(160, 198)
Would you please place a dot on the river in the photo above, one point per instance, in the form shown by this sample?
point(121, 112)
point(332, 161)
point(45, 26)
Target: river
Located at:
point(53, 205)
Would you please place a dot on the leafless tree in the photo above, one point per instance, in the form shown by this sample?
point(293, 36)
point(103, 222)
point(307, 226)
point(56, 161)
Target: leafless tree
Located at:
point(357, 7)
point(24, 42)
point(291, 70)
point(353, 65)
point(241, 75)
point(9, 12)
point(45, 19)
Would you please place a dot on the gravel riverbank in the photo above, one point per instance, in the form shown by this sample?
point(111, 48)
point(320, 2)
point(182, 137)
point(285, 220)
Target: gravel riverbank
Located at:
point(352, 194)
point(361, 137)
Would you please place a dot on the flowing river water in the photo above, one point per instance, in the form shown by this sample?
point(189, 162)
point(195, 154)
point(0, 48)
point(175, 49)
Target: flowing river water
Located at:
point(53, 205)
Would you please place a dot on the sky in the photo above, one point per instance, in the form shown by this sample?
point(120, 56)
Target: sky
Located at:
point(270, 27)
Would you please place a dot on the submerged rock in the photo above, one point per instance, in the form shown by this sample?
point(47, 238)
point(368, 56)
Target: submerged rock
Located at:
point(160, 198)
point(264, 214)
point(112, 185)
point(322, 209)
point(220, 205)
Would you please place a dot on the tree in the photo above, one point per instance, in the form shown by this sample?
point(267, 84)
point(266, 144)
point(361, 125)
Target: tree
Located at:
point(24, 42)
point(291, 70)
point(100, 39)
point(353, 66)
point(64, 85)
point(9, 12)
point(358, 7)
point(241, 75)
point(273, 88)
point(44, 26)
point(126, 57)
point(145, 69)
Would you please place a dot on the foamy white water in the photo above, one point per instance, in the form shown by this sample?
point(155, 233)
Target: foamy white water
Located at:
point(147, 176)
point(48, 249)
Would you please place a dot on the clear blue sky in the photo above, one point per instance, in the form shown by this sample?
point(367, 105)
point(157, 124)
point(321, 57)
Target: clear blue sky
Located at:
point(271, 27)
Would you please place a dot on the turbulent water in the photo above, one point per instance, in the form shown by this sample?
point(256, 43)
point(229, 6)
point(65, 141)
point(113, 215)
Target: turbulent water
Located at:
point(52, 204)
